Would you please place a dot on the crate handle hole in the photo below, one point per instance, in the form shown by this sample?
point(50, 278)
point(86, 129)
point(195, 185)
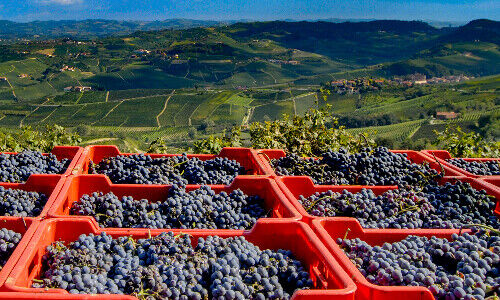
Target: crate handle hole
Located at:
point(32, 268)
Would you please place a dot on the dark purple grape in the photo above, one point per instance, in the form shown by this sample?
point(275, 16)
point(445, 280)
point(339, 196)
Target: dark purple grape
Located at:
point(143, 169)
point(369, 167)
point(168, 267)
point(200, 208)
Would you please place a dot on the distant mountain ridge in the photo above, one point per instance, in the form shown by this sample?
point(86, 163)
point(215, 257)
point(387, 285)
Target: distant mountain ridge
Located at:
point(92, 28)
point(95, 28)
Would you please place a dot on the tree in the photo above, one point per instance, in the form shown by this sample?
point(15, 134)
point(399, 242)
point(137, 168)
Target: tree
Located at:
point(192, 133)
point(83, 130)
point(463, 144)
point(206, 125)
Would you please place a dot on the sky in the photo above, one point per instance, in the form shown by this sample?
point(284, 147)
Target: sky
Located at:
point(438, 10)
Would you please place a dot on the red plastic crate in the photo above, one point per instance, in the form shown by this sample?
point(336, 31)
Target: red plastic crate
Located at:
point(272, 234)
point(72, 153)
point(265, 155)
point(492, 181)
point(29, 296)
point(329, 229)
point(245, 156)
point(294, 186)
point(76, 186)
point(48, 184)
point(442, 155)
point(24, 226)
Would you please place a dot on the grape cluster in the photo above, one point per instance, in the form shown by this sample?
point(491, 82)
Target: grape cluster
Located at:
point(200, 208)
point(143, 169)
point(466, 267)
point(20, 203)
point(8, 242)
point(369, 167)
point(433, 206)
point(18, 167)
point(485, 168)
point(168, 266)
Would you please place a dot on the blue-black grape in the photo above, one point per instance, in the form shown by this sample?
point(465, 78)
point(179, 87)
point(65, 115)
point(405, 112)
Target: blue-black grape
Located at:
point(168, 266)
point(432, 206)
point(465, 267)
point(8, 242)
point(369, 167)
point(143, 169)
point(200, 208)
point(485, 168)
point(18, 167)
point(20, 203)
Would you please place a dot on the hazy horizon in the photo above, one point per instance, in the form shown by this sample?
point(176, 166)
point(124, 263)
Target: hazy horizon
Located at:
point(259, 10)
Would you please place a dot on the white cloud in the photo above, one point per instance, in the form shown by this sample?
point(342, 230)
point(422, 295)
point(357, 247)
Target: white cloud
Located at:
point(60, 2)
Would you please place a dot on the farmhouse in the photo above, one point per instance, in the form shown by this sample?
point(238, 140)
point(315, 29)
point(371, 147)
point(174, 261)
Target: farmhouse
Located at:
point(142, 51)
point(77, 88)
point(444, 115)
point(67, 68)
point(83, 88)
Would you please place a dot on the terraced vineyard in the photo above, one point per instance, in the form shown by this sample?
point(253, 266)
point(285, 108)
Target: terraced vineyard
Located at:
point(398, 132)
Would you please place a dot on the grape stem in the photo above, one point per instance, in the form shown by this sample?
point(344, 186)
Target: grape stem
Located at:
point(267, 156)
point(440, 165)
point(480, 225)
point(346, 233)
point(316, 202)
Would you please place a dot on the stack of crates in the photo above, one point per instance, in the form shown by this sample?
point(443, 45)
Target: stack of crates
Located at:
point(288, 225)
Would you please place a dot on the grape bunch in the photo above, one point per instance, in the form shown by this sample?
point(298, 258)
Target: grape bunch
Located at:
point(20, 203)
point(432, 206)
point(143, 169)
point(18, 167)
point(369, 167)
point(168, 266)
point(485, 168)
point(8, 242)
point(466, 267)
point(200, 208)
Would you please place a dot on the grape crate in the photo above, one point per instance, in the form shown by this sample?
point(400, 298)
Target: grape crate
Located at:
point(465, 267)
point(200, 208)
point(18, 167)
point(376, 166)
point(483, 167)
point(181, 170)
point(433, 206)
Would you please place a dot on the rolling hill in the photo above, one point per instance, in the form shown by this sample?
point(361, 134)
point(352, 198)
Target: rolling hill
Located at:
point(165, 82)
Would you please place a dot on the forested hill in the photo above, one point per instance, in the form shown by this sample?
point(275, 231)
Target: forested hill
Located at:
point(478, 30)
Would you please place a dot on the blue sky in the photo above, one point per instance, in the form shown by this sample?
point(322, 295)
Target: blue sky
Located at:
point(444, 10)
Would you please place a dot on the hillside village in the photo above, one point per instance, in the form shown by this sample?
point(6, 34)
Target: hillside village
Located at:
point(362, 85)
